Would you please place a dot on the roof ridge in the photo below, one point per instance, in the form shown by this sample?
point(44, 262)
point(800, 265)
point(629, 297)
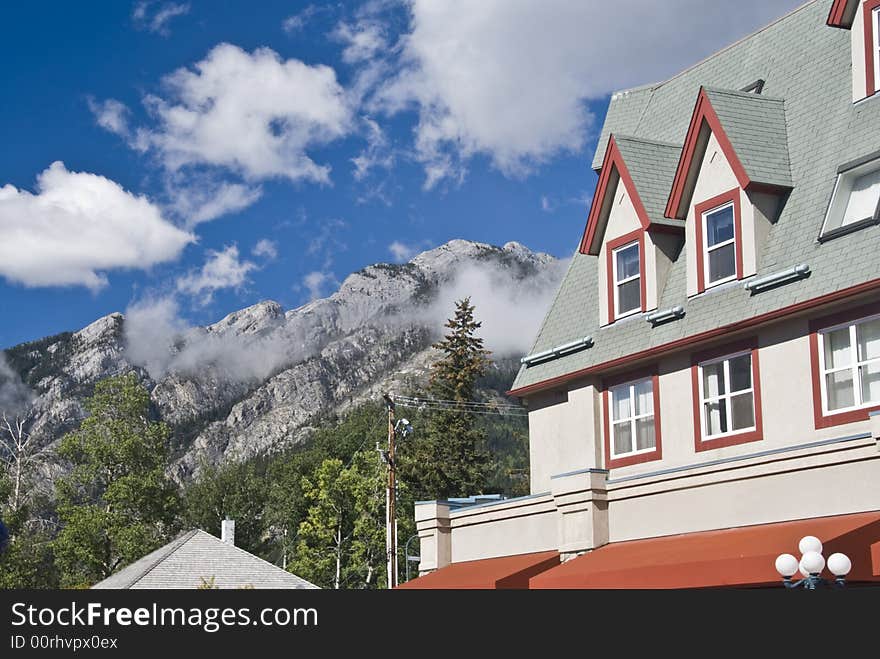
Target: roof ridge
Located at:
point(177, 543)
point(741, 94)
point(633, 138)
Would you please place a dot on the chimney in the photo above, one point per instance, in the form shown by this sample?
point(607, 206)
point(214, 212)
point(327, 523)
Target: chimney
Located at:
point(227, 531)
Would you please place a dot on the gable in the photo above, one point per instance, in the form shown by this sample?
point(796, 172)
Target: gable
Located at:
point(751, 131)
point(645, 167)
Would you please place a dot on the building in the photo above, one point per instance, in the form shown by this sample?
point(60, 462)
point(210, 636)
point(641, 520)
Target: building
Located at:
point(196, 559)
point(705, 388)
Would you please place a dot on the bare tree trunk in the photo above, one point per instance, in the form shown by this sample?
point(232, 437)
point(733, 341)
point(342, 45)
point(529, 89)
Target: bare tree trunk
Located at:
point(338, 576)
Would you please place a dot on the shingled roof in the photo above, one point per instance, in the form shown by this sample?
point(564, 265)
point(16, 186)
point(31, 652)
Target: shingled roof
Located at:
point(197, 558)
point(652, 165)
point(824, 129)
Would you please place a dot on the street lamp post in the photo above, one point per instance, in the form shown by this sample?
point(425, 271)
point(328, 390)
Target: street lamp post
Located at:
point(811, 565)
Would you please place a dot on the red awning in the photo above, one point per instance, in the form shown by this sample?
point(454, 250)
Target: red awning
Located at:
point(742, 556)
point(488, 573)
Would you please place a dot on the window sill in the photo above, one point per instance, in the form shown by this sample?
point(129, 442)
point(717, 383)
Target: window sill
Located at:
point(842, 418)
point(637, 458)
point(848, 229)
point(729, 440)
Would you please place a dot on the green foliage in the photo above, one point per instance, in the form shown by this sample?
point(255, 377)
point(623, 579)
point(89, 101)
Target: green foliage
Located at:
point(341, 541)
point(28, 561)
point(234, 490)
point(116, 504)
point(450, 457)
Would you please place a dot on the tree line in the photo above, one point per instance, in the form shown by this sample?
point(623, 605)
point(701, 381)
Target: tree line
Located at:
point(317, 509)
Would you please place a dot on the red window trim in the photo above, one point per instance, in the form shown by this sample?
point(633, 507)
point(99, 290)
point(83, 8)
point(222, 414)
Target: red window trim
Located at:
point(868, 10)
point(718, 352)
point(708, 205)
point(634, 236)
point(837, 15)
point(821, 419)
point(647, 456)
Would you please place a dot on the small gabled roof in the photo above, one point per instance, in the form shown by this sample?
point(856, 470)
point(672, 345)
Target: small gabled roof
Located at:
point(751, 130)
point(842, 13)
point(646, 168)
point(195, 558)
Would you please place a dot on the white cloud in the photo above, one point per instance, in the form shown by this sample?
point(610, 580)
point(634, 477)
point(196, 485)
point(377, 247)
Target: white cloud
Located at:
point(14, 395)
point(377, 153)
point(111, 115)
point(252, 113)
point(510, 309)
point(76, 227)
point(510, 79)
point(223, 269)
point(197, 199)
point(402, 252)
point(266, 248)
point(145, 18)
point(362, 40)
point(297, 22)
point(316, 283)
point(547, 205)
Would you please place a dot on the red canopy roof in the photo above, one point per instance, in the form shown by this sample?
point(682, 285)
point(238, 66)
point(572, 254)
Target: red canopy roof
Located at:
point(741, 556)
point(488, 573)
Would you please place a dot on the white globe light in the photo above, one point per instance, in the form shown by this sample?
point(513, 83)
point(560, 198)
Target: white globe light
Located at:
point(810, 543)
point(803, 571)
point(812, 562)
point(839, 564)
point(786, 565)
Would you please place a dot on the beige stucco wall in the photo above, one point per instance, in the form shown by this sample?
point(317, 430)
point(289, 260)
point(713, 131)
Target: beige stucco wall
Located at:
point(715, 177)
point(519, 526)
point(859, 75)
point(622, 219)
point(833, 480)
point(563, 429)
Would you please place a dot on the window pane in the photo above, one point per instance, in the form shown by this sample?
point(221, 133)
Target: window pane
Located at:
point(620, 403)
point(622, 438)
point(742, 409)
point(839, 387)
point(868, 337)
point(719, 226)
point(722, 262)
point(629, 296)
point(716, 417)
point(627, 262)
point(644, 397)
point(713, 379)
point(863, 198)
point(645, 433)
point(837, 353)
point(870, 381)
point(741, 373)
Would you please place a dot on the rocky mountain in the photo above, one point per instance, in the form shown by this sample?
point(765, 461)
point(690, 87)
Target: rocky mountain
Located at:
point(253, 382)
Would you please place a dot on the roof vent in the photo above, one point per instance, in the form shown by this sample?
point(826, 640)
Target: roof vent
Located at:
point(757, 86)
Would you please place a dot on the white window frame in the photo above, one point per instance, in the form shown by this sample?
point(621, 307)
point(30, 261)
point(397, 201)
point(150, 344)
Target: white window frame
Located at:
point(853, 367)
point(875, 19)
point(617, 284)
point(727, 395)
point(708, 283)
point(632, 418)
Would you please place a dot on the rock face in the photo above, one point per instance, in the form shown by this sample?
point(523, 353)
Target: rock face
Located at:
point(254, 381)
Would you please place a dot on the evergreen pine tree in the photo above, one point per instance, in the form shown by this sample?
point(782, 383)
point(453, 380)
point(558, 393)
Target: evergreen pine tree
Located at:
point(450, 458)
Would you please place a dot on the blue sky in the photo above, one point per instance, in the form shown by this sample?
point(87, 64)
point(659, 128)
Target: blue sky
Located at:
point(226, 153)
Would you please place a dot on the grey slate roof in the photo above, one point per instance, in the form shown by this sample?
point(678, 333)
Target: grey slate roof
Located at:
point(755, 126)
point(804, 62)
point(194, 557)
point(651, 165)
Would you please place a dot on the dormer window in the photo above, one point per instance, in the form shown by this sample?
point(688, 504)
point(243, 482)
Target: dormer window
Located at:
point(855, 202)
point(627, 280)
point(862, 19)
point(719, 240)
point(719, 244)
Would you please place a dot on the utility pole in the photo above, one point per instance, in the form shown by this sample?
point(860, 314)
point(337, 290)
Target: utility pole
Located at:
point(391, 499)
